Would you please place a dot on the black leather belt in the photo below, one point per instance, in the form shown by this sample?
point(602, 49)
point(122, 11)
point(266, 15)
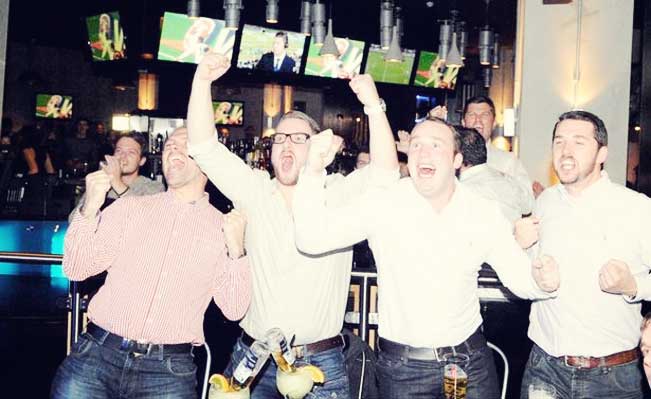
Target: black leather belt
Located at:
point(129, 345)
point(474, 342)
point(303, 350)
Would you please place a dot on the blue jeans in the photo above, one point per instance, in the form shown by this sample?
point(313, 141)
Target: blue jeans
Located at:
point(400, 377)
point(94, 371)
point(621, 382)
point(330, 361)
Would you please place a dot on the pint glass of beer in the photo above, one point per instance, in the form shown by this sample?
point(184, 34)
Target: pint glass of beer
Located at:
point(455, 379)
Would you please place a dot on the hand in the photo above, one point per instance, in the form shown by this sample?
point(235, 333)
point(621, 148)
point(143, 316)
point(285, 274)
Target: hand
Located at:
point(112, 168)
point(403, 144)
point(526, 231)
point(322, 151)
point(212, 67)
point(537, 188)
point(545, 273)
point(97, 185)
point(234, 228)
point(440, 111)
point(364, 87)
point(615, 277)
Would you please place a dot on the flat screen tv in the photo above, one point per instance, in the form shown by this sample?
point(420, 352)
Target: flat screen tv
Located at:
point(186, 40)
point(106, 37)
point(345, 66)
point(270, 50)
point(53, 106)
point(389, 72)
point(432, 72)
point(230, 113)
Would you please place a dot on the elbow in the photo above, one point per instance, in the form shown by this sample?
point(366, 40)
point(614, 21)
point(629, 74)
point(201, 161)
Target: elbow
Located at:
point(310, 245)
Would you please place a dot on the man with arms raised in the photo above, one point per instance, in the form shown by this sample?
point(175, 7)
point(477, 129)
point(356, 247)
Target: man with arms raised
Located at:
point(303, 295)
point(585, 339)
point(427, 275)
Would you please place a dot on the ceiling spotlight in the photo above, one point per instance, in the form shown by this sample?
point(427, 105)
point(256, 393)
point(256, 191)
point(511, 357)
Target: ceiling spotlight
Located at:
point(495, 54)
point(272, 12)
point(463, 39)
point(395, 53)
point(445, 34)
point(193, 9)
point(386, 24)
point(486, 40)
point(329, 48)
point(454, 58)
point(318, 23)
point(400, 23)
point(232, 13)
point(306, 12)
point(487, 76)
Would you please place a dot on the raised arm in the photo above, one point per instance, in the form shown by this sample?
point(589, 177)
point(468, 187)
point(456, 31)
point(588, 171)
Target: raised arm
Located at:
point(93, 239)
point(227, 172)
point(232, 286)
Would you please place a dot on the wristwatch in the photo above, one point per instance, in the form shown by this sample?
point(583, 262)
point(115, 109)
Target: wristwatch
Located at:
point(375, 109)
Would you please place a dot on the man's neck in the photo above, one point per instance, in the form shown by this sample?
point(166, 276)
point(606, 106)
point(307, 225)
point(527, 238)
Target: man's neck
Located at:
point(577, 189)
point(442, 199)
point(288, 193)
point(189, 193)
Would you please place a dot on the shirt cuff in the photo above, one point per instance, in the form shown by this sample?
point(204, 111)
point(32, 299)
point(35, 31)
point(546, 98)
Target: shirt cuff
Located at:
point(204, 147)
point(643, 282)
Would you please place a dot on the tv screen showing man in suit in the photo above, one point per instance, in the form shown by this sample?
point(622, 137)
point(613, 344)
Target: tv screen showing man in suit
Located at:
point(270, 50)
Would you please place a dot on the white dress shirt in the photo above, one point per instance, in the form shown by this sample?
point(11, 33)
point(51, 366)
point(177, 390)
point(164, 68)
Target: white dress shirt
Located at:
point(497, 186)
point(509, 164)
point(302, 295)
point(608, 221)
point(427, 262)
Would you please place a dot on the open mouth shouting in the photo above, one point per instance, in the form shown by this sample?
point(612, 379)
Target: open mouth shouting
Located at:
point(426, 170)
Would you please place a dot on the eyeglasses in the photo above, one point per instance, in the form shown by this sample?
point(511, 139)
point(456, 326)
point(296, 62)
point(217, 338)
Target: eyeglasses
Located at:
point(484, 116)
point(296, 138)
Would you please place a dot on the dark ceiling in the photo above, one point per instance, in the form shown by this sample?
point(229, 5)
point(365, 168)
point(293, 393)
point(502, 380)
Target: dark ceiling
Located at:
point(60, 24)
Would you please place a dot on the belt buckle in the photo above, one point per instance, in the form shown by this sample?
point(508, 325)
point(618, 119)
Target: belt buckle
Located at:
point(583, 362)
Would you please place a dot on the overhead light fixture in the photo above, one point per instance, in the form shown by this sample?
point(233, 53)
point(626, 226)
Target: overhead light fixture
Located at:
point(454, 57)
point(271, 12)
point(487, 77)
point(386, 24)
point(306, 13)
point(445, 33)
point(329, 48)
point(495, 57)
point(193, 9)
point(318, 23)
point(232, 14)
point(120, 122)
point(147, 90)
point(400, 23)
point(463, 39)
point(486, 40)
point(394, 54)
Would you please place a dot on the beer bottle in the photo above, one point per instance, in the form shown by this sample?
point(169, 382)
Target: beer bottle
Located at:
point(254, 358)
point(280, 350)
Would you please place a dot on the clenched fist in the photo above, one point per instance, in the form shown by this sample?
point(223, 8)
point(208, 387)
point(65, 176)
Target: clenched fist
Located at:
point(364, 87)
point(322, 151)
point(546, 274)
point(402, 145)
point(440, 111)
point(615, 277)
point(526, 231)
point(233, 228)
point(212, 67)
point(97, 185)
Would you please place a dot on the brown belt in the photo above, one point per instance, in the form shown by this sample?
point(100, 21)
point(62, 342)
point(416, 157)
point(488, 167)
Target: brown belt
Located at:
point(607, 361)
point(303, 350)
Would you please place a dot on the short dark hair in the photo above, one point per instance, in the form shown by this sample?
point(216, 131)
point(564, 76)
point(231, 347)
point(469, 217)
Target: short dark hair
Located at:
point(479, 100)
point(600, 132)
point(453, 129)
point(646, 321)
point(135, 136)
point(284, 36)
point(314, 126)
point(473, 146)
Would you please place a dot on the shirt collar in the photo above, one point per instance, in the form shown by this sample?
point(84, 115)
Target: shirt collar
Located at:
point(595, 190)
point(201, 203)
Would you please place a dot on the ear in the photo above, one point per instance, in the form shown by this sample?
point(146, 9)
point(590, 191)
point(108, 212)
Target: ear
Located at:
point(457, 161)
point(142, 161)
point(602, 155)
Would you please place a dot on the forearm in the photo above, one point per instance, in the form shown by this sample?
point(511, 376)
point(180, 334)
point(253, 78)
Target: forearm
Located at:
point(201, 126)
point(79, 256)
point(382, 143)
point(233, 288)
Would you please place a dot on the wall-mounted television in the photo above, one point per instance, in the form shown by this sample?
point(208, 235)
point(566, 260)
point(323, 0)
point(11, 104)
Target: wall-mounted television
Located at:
point(230, 113)
point(345, 66)
point(432, 72)
point(53, 106)
point(187, 40)
point(106, 37)
point(389, 72)
point(270, 50)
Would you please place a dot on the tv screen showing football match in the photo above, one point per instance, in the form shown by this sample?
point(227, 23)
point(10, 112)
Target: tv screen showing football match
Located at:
point(270, 50)
point(229, 113)
point(386, 71)
point(432, 72)
point(186, 39)
point(106, 37)
point(53, 106)
point(345, 66)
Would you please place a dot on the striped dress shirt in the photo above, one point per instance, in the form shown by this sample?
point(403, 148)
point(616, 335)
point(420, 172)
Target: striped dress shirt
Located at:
point(165, 260)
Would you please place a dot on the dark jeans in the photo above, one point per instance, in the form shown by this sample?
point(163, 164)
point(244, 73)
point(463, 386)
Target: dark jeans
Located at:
point(331, 362)
point(400, 377)
point(622, 382)
point(94, 371)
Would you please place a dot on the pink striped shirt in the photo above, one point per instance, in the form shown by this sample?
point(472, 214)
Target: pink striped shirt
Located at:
point(165, 260)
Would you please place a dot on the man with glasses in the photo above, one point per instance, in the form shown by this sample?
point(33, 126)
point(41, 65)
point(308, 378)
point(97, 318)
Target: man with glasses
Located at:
point(479, 114)
point(305, 296)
